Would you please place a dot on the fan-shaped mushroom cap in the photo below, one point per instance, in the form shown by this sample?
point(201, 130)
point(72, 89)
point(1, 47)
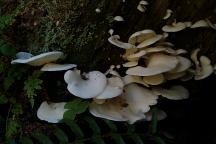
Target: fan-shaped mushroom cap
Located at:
point(115, 109)
point(52, 112)
point(200, 23)
point(206, 68)
point(168, 14)
point(172, 76)
point(139, 98)
point(128, 79)
point(158, 63)
point(136, 55)
point(174, 93)
point(114, 88)
point(57, 67)
point(154, 79)
point(114, 39)
point(175, 27)
point(140, 36)
point(44, 58)
point(183, 64)
point(118, 18)
point(149, 41)
point(94, 84)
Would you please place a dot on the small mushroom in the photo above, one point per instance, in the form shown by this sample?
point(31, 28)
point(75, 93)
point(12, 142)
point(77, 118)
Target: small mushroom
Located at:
point(57, 67)
point(44, 58)
point(168, 14)
point(141, 6)
point(149, 41)
point(114, 39)
point(172, 76)
point(183, 65)
point(158, 63)
point(173, 93)
point(51, 112)
point(200, 23)
point(154, 79)
point(159, 114)
point(175, 27)
point(206, 68)
point(92, 85)
point(118, 18)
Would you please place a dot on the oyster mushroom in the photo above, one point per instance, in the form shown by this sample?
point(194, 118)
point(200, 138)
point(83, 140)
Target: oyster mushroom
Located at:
point(51, 112)
point(92, 85)
point(175, 27)
point(44, 58)
point(57, 67)
point(114, 39)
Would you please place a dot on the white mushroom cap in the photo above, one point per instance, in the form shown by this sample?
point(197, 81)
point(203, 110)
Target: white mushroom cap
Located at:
point(182, 65)
point(93, 86)
point(188, 23)
point(158, 63)
point(118, 18)
point(206, 68)
point(57, 67)
point(23, 55)
point(149, 41)
point(114, 88)
point(154, 79)
point(114, 39)
point(175, 27)
point(129, 52)
point(160, 49)
point(130, 64)
point(128, 79)
point(52, 112)
point(38, 60)
point(181, 51)
point(137, 55)
point(140, 36)
point(200, 23)
point(173, 93)
point(139, 98)
point(194, 57)
point(168, 14)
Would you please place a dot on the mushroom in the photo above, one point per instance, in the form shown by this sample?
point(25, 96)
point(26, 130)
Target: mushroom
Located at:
point(172, 76)
point(114, 39)
point(57, 67)
point(159, 114)
point(114, 88)
point(118, 18)
point(173, 93)
point(206, 68)
point(158, 63)
point(44, 58)
point(175, 27)
point(139, 98)
point(51, 112)
point(154, 79)
point(140, 36)
point(183, 64)
point(92, 85)
point(149, 41)
point(200, 23)
point(168, 14)
point(141, 6)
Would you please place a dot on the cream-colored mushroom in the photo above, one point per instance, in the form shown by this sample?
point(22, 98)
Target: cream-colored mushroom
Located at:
point(130, 64)
point(173, 93)
point(158, 63)
point(51, 112)
point(44, 58)
point(168, 14)
point(142, 6)
point(183, 65)
point(140, 36)
point(160, 115)
point(172, 76)
point(200, 23)
point(114, 39)
point(118, 18)
point(149, 41)
point(154, 79)
point(175, 27)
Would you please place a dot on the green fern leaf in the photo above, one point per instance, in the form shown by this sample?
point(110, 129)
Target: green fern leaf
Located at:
point(159, 140)
point(75, 107)
point(98, 140)
point(74, 128)
point(136, 139)
point(111, 125)
point(11, 128)
point(3, 99)
point(61, 136)
point(26, 140)
point(41, 138)
point(153, 126)
point(118, 138)
point(93, 125)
